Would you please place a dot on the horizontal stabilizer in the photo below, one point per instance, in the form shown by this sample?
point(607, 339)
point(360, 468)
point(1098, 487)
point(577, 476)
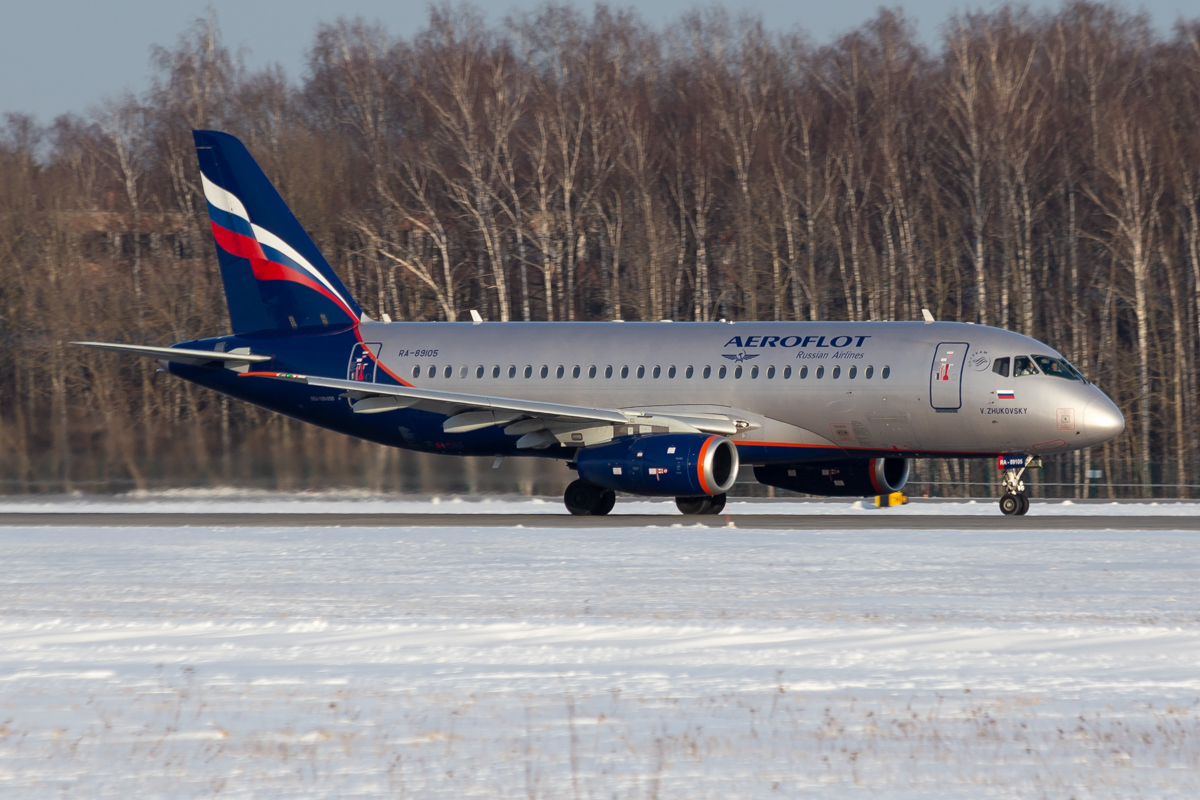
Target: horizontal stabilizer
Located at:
point(178, 354)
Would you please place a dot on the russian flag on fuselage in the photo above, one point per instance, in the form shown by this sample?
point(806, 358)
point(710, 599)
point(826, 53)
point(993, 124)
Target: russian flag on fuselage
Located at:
point(275, 277)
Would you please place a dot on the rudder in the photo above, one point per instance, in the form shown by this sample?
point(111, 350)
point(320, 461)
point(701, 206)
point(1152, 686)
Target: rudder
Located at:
point(275, 277)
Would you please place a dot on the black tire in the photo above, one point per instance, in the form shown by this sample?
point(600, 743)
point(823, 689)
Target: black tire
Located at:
point(716, 504)
point(1010, 505)
point(582, 498)
point(608, 499)
point(1024, 498)
point(693, 506)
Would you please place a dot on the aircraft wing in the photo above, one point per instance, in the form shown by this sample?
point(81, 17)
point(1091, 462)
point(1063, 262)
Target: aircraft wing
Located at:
point(178, 354)
point(539, 423)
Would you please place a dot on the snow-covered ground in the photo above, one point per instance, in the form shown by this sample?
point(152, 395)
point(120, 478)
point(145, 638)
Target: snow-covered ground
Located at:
point(598, 663)
point(242, 501)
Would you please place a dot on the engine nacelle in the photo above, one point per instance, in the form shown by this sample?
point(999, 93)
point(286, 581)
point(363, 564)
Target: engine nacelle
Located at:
point(662, 464)
point(858, 477)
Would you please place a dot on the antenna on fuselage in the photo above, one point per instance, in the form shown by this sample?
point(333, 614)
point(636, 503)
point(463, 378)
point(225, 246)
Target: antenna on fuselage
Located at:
point(928, 317)
point(475, 318)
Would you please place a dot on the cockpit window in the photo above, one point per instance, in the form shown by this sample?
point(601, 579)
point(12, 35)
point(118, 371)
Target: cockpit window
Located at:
point(1055, 367)
point(1023, 365)
point(1074, 370)
point(1000, 366)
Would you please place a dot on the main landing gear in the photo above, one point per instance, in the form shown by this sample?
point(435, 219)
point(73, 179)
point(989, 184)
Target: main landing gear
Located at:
point(694, 506)
point(1014, 502)
point(585, 499)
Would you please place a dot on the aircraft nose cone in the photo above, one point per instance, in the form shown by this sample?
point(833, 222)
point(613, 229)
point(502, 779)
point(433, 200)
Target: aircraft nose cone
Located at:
point(1102, 420)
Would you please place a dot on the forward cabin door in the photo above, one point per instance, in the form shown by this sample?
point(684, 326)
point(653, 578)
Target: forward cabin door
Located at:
point(945, 378)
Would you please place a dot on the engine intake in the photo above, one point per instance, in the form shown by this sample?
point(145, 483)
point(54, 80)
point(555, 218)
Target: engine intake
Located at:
point(664, 464)
point(859, 477)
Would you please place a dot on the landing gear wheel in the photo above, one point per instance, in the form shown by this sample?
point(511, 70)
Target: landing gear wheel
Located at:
point(693, 506)
point(583, 498)
point(1010, 505)
point(608, 499)
point(716, 504)
point(1024, 505)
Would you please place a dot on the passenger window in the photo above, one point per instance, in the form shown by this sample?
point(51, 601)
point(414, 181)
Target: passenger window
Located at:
point(575, 372)
point(657, 371)
point(592, 371)
point(462, 371)
point(671, 372)
point(608, 371)
point(737, 371)
point(558, 373)
point(1022, 366)
point(512, 371)
point(448, 371)
point(837, 373)
point(641, 373)
point(787, 372)
point(803, 372)
point(820, 373)
point(687, 373)
point(886, 373)
point(432, 371)
point(544, 371)
point(707, 372)
point(416, 372)
point(479, 371)
point(624, 372)
point(1000, 366)
point(853, 373)
point(870, 373)
point(770, 373)
point(528, 371)
point(721, 373)
point(1055, 368)
point(754, 372)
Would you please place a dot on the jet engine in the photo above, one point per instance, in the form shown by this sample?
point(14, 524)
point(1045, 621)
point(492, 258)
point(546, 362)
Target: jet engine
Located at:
point(858, 477)
point(662, 464)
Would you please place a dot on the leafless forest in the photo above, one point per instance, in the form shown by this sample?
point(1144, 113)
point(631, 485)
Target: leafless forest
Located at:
point(1034, 172)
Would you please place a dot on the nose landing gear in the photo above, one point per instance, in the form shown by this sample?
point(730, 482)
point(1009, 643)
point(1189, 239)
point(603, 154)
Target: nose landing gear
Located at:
point(1014, 502)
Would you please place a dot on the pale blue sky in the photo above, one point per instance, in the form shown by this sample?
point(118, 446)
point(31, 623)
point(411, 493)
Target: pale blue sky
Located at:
point(65, 55)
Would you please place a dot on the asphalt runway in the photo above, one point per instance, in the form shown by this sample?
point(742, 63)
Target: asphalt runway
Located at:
point(759, 521)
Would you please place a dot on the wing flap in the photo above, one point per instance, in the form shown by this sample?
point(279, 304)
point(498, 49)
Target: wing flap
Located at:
point(457, 401)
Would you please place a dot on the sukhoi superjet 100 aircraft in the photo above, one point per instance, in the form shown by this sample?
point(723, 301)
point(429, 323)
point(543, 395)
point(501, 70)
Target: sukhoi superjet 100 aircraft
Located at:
point(671, 410)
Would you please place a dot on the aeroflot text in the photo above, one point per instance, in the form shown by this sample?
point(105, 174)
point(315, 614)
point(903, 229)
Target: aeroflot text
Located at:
point(796, 341)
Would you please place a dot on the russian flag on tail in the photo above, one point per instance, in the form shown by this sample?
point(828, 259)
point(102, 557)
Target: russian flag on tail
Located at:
point(275, 277)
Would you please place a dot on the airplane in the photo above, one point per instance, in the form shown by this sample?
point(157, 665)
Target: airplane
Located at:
point(659, 409)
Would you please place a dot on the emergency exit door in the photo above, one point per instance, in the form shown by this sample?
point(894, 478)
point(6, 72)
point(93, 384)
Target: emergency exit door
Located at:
point(945, 379)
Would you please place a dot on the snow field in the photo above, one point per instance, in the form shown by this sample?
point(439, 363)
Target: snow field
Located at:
point(242, 501)
point(668, 663)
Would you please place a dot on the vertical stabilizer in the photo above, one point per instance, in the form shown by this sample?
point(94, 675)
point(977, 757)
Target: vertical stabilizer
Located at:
point(275, 278)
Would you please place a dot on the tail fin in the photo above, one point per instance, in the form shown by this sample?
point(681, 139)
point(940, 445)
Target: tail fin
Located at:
point(275, 277)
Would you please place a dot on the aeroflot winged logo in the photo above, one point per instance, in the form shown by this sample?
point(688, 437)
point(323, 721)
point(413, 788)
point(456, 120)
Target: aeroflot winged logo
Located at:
point(271, 258)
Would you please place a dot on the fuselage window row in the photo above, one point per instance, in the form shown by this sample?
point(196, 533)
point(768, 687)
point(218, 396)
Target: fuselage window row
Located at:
point(1023, 365)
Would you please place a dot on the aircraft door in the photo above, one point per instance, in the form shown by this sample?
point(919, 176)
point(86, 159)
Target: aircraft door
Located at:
point(945, 377)
point(362, 362)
